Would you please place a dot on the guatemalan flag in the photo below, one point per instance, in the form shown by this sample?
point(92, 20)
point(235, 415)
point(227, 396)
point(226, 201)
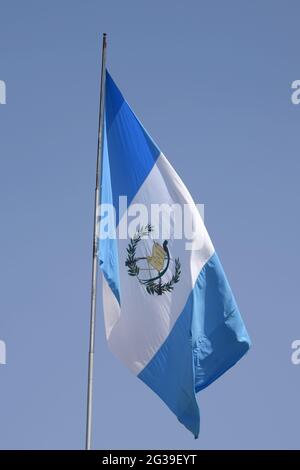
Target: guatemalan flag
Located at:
point(170, 315)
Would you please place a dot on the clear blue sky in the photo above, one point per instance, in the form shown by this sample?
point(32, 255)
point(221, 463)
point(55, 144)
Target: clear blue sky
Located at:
point(210, 81)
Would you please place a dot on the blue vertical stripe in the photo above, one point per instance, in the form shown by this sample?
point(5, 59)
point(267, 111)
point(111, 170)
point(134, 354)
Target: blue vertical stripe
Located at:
point(108, 247)
point(207, 339)
point(132, 153)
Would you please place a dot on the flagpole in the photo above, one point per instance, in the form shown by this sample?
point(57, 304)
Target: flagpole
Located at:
point(95, 249)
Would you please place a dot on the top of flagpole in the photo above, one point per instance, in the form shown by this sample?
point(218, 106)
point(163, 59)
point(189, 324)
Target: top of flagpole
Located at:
point(104, 37)
point(101, 109)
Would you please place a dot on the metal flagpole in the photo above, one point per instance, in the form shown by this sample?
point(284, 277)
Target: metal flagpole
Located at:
point(95, 249)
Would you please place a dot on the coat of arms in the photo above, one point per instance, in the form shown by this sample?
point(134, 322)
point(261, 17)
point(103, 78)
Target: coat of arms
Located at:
point(151, 268)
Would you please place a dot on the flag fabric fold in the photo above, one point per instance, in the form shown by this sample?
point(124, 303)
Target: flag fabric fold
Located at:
point(170, 314)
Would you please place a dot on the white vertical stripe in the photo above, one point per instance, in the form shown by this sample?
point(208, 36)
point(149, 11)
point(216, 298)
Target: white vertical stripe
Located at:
point(136, 333)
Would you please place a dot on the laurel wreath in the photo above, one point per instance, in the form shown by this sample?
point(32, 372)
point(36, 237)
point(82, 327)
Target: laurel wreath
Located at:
point(152, 287)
